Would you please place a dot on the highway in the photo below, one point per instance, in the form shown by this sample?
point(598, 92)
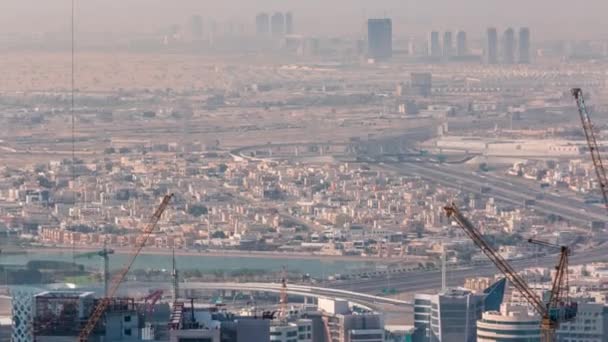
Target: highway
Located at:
point(456, 176)
point(429, 280)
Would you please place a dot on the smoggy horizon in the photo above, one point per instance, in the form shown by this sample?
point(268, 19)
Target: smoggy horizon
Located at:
point(548, 19)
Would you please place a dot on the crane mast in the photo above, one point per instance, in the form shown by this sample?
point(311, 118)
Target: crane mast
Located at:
point(559, 290)
point(592, 143)
point(105, 302)
point(283, 295)
point(551, 313)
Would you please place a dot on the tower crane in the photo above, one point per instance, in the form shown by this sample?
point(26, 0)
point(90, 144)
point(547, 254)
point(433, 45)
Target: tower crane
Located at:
point(592, 143)
point(552, 314)
point(283, 295)
point(105, 254)
point(103, 304)
point(559, 290)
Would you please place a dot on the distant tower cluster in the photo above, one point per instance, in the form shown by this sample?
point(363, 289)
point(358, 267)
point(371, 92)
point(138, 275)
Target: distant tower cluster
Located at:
point(380, 38)
point(262, 24)
point(445, 49)
point(492, 46)
point(461, 44)
point(196, 27)
point(510, 47)
point(279, 24)
point(435, 45)
point(524, 45)
point(447, 44)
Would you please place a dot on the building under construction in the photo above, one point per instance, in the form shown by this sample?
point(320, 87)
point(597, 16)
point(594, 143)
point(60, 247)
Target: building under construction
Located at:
point(60, 316)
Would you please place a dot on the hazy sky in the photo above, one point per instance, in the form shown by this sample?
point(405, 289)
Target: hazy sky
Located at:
point(547, 18)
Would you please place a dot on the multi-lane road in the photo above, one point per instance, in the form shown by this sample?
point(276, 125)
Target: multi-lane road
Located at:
point(514, 192)
point(509, 191)
point(424, 281)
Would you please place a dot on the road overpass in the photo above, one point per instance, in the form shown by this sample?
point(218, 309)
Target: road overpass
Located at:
point(361, 299)
point(424, 281)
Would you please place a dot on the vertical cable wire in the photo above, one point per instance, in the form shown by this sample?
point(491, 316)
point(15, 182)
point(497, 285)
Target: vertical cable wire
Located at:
point(72, 29)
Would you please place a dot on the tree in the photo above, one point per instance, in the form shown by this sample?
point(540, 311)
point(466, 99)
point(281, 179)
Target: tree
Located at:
point(45, 183)
point(197, 210)
point(222, 168)
point(218, 234)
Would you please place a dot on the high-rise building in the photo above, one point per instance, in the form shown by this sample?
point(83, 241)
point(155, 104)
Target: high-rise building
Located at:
point(277, 24)
point(449, 316)
point(512, 323)
point(448, 45)
point(344, 325)
point(452, 314)
point(380, 38)
point(590, 325)
point(434, 45)
point(491, 50)
point(196, 27)
point(262, 24)
point(494, 295)
point(508, 46)
point(289, 23)
point(461, 44)
point(524, 45)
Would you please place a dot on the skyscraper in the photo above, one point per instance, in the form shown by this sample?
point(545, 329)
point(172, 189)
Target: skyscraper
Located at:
point(524, 45)
point(288, 23)
point(492, 46)
point(277, 24)
point(449, 316)
point(452, 314)
point(262, 24)
point(461, 44)
point(196, 27)
point(448, 45)
point(508, 46)
point(380, 38)
point(435, 47)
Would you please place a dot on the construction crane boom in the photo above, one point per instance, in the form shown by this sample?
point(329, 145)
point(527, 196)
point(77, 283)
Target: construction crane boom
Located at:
point(559, 290)
point(554, 312)
point(102, 305)
point(594, 149)
point(515, 279)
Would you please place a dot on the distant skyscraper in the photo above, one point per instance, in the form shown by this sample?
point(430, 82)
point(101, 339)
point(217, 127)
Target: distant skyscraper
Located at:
point(448, 45)
point(196, 27)
point(262, 24)
point(435, 46)
point(524, 45)
point(380, 38)
point(288, 23)
point(461, 44)
point(277, 24)
point(508, 46)
point(492, 46)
